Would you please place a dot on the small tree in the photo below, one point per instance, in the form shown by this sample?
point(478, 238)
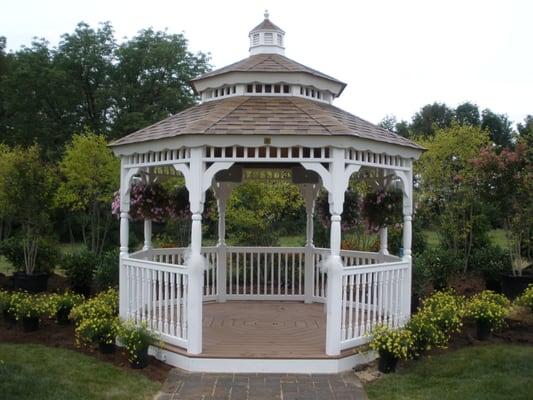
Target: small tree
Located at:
point(26, 190)
point(90, 176)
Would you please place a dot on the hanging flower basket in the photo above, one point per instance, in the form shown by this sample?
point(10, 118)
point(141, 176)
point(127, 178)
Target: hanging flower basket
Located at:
point(382, 208)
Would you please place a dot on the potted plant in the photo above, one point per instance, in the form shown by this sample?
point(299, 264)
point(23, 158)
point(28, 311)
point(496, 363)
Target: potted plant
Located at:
point(6, 307)
point(136, 339)
point(28, 308)
point(526, 299)
point(515, 283)
point(60, 305)
point(488, 309)
point(392, 344)
point(79, 269)
point(426, 334)
point(446, 310)
point(96, 321)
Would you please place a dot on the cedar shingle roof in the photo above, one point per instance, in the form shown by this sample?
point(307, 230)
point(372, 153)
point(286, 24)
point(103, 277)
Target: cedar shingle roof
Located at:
point(267, 63)
point(256, 115)
point(266, 24)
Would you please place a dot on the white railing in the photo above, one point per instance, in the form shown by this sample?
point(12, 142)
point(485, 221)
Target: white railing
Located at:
point(157, 294)
point(373, 295)
point(265, 273)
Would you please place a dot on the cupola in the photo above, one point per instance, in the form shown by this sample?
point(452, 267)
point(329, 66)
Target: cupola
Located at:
point(267, 38)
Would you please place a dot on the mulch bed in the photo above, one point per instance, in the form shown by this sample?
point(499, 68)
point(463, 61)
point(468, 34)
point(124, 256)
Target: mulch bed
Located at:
point(53, 335)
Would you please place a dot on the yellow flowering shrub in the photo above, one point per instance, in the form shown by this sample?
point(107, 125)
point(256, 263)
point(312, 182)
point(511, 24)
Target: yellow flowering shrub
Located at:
point(488, 307)
point(445, 310)
point(5, 300)
point(96, 320)
point(526, 298)
point(63, 301)
point(136, 338)
point(398, 342)
point(26, 305)
point(426, 334)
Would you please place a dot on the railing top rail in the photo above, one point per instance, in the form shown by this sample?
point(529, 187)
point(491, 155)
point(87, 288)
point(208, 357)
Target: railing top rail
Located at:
point(261, 249)
point(357, 269)
point(158, 266)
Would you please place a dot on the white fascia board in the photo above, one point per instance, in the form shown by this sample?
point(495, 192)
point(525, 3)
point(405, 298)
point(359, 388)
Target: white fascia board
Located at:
point(257, 140)
point(295, 78)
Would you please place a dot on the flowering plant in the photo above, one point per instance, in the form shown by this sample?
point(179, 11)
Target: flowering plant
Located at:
point(396, 342)
point(63, 302)
point(445, 309)
point(25, 305)
point(488, 307)
point(147, 201)
point(97, 319)
point(136, 339)
point(426, 334)
point(526, 298)
point(5, 300)
point(382, 207)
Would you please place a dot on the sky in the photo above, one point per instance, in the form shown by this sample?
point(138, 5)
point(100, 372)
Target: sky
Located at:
point(395, 56)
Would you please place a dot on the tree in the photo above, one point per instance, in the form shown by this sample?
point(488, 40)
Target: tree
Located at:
point(498, 126)
point(26, 191)
point(448, 184)
point(90, 176)
point(467, 114)
point(431, 117)
point(152, 79)
point(525, 137)
point(388, 122)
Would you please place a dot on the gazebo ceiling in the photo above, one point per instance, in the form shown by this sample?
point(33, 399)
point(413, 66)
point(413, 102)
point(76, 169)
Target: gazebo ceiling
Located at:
point(263, 115)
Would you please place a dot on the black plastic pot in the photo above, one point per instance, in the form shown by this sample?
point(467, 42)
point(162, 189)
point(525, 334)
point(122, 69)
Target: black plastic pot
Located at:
point(62, 316)
point(30, 324)
point(34, 283)
point(141, 361)
point(513, 286)
point(483, 329)
point(387, 362)
point(9, 317)
point(82, 289)
point(415, 302)
point(106, 348)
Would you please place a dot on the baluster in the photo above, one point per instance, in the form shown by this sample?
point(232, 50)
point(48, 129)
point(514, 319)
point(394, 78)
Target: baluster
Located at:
point(343, 308)
point(279, 274)
point(350, 334)
point(172, 301)
point(230, 276)
point(251, 273)
point(130, 280)
point(237, 267)
point(271, 273)
point(165, 320)
point(316, 275)
point(179, 279)
point(380, 297)
point(389, 298)
point(245, 267)
point(398, 297)
point(375, 298)
point(364, 305)
point(265, 272)
point(153, 300)
point(160, 302)
point(292, 273)
point(301, 256)
point(185, 323)
point(369, 306)
point(322, 280)
point(357, 331)
point(286, 273)
point(137, 294)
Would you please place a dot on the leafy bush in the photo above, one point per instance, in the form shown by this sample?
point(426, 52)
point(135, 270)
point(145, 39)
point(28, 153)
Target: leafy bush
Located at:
point(440, 265)
point(136, 339)
point(396, 342)
point(25, 305)
point(107, 270)
point(395, 237)
point(5, 300)
point(79, 269)
point(96, 320)
point(382, 207)
point(488, 307)
point(446, 310)
point(526, 298)
point(426, 334)
point(491, 261)
point(48, 254)
point(60, 304)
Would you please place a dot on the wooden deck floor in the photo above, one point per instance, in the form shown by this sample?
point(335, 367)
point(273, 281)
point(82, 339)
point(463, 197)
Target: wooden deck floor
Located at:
point(264, 329)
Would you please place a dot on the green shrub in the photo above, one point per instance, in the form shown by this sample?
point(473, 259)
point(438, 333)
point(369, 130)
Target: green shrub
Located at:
point(5, 300)
point(79, 269)
point(426, 333)
point(48, 254)
point(491, 261)
point(62, 303)
point(107, 270)
point(25, 305)
point(96, 320)
point(136, 339)
point(440, 265)
point(526, 298)
point(488, 307)
point(395, 238)
point(446, 310)
point(394, 341)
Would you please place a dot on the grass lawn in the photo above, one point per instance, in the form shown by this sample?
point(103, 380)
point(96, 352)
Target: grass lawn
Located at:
point(34, 371)
point(497, 237)
point(491, 372)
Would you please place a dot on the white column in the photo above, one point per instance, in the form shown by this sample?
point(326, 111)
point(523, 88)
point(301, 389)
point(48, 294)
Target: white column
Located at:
point(334, 264)
point(309, 193)
point(196, 262)
point(407, 181)
point(147, 234)
point(124, 238)
point(383, 238)
point(222, 191)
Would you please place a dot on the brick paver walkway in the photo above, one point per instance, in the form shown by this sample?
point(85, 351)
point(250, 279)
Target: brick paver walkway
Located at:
point(181, 385)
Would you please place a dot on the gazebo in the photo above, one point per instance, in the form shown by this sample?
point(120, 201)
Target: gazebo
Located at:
point(257, 309)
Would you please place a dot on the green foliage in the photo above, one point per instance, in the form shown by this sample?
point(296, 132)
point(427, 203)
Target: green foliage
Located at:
point(394, 341)
point(62, 302)
point(5, 300)
point(135, 339)
point(382, 208)
point(258, 213)
point(467, 114)
point(90, 176)
point(48, 257)
point(426, 334)
point(430, 118)
point(25, 305)
point(96, 320)
point(488, 307)
point(79, 269)
point(498, 126)
point(526, 298)
point(107, 271)
point(445, 309)
point(491, 261)
point(439, 265)
point(395, 238)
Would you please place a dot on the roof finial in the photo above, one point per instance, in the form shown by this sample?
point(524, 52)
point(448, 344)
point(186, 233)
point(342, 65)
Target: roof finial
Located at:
point(266, 14)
